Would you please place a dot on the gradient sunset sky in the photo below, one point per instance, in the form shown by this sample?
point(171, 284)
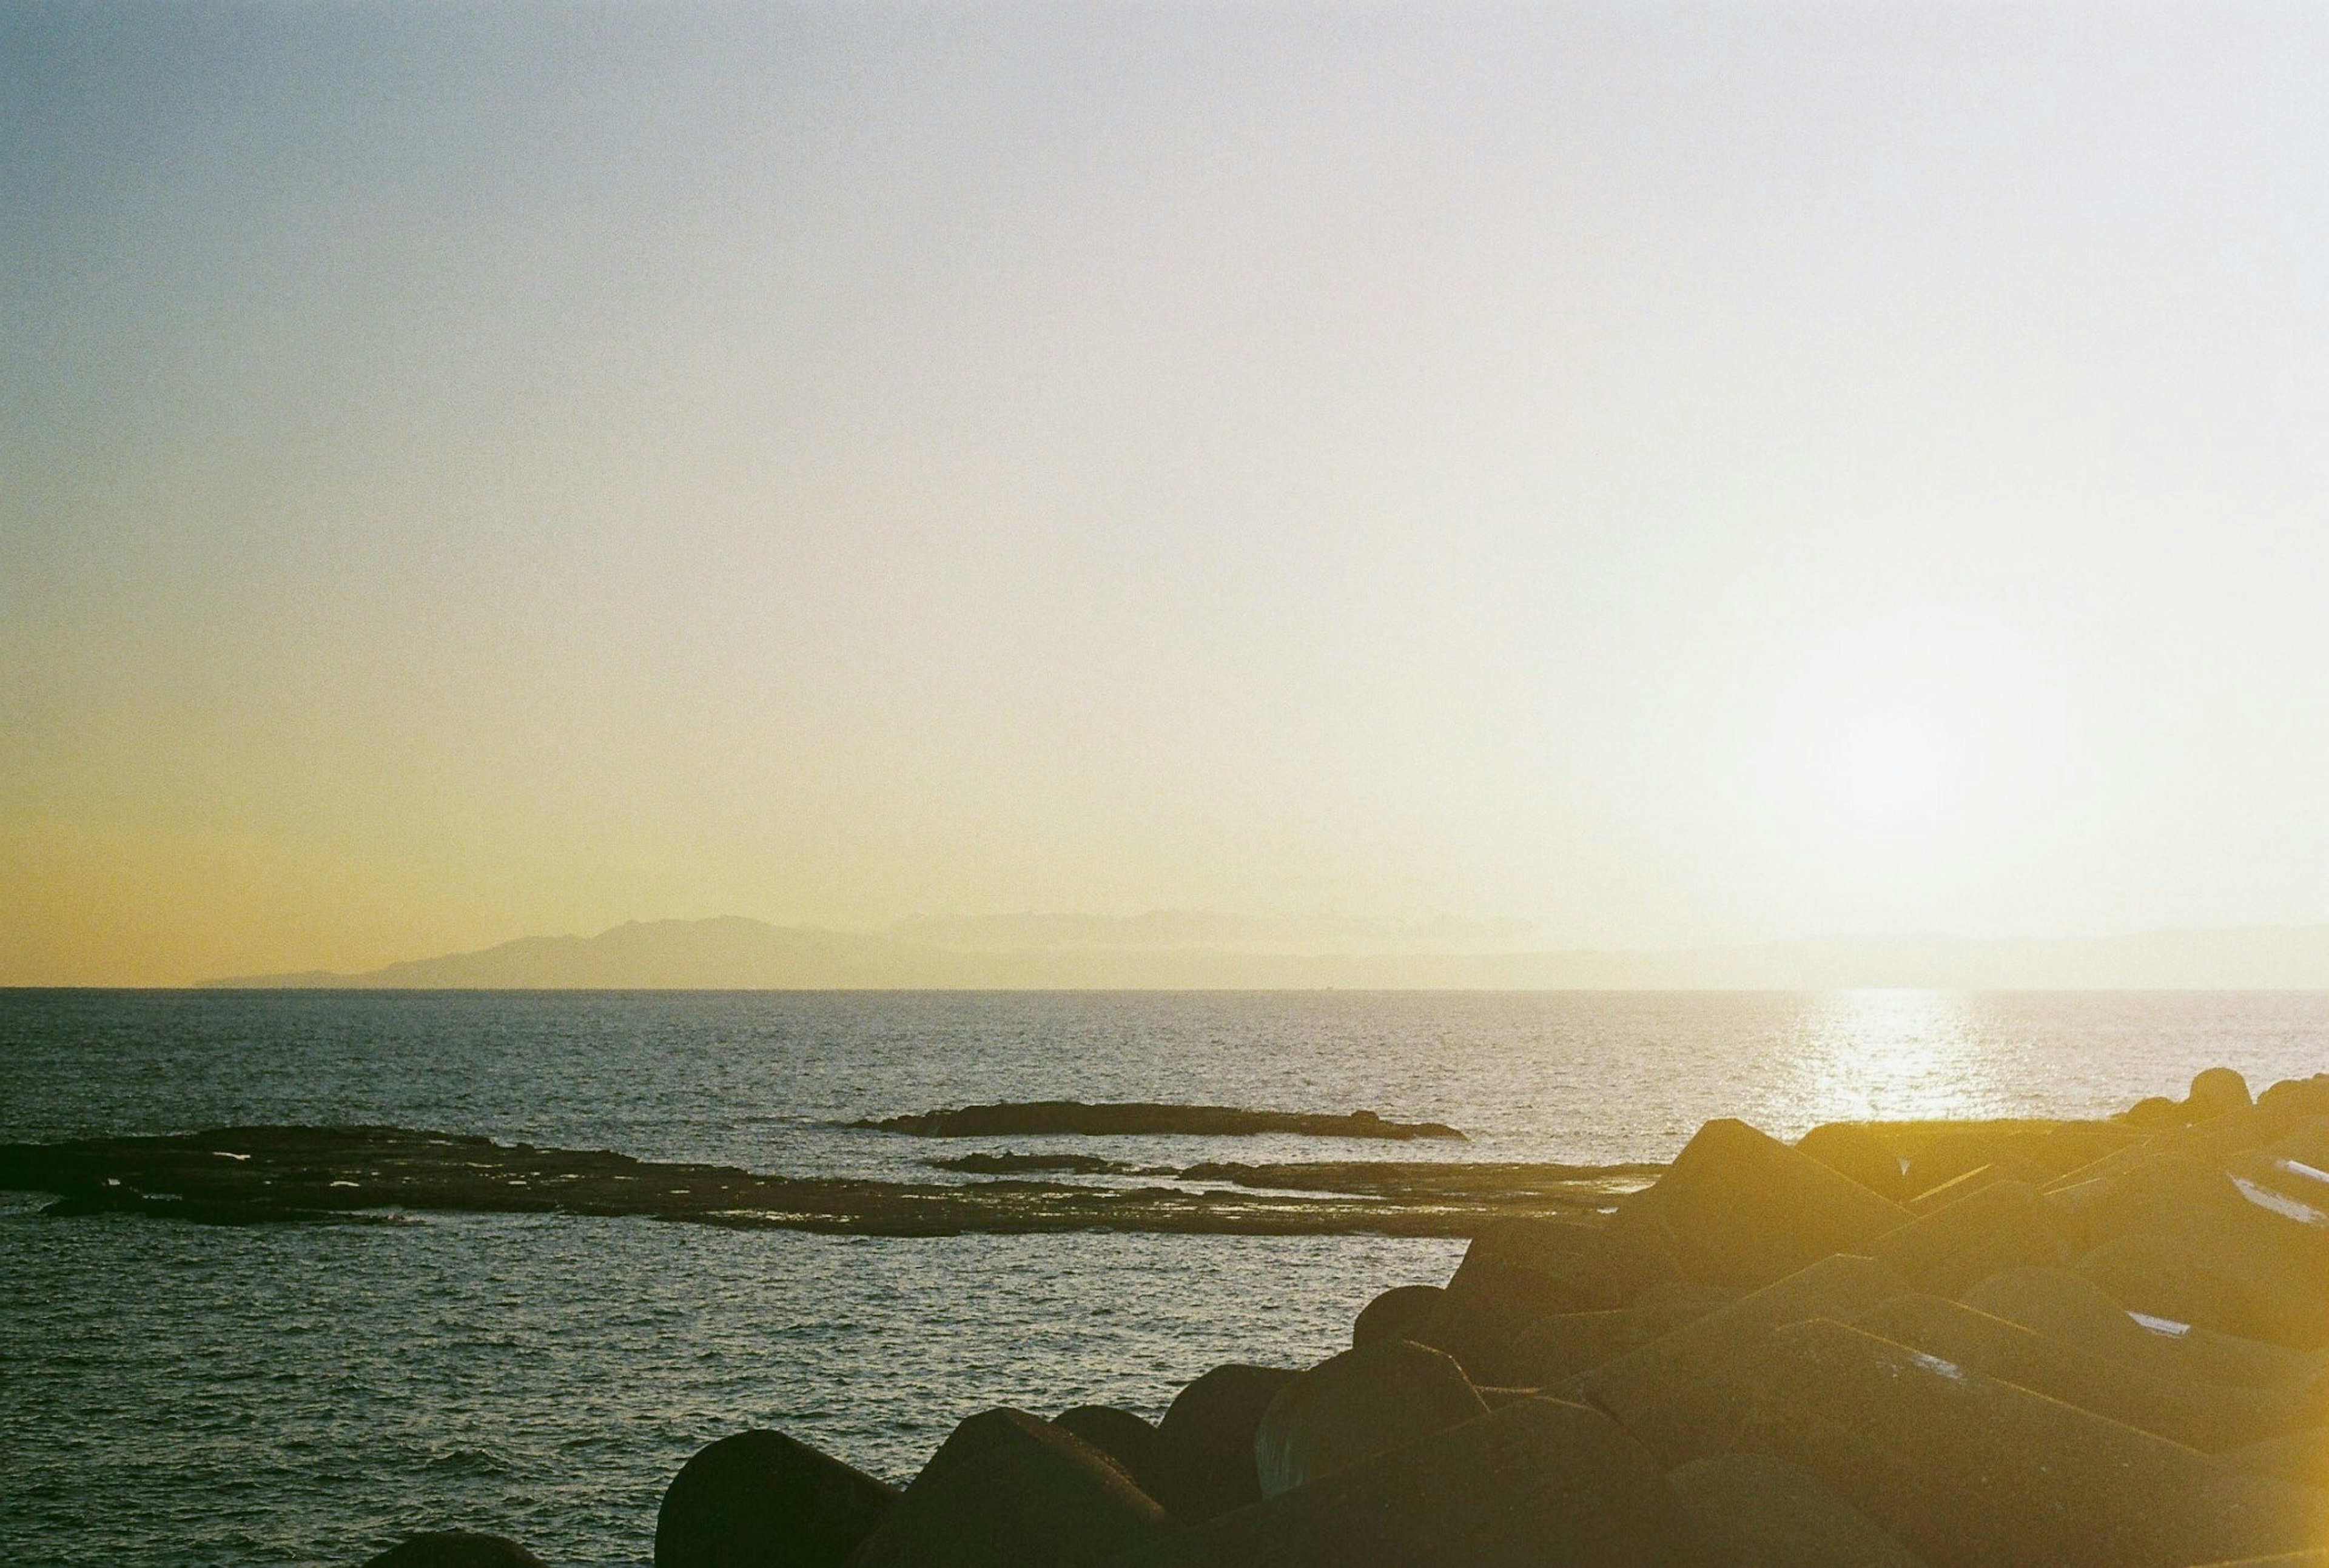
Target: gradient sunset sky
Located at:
point(1664, 473)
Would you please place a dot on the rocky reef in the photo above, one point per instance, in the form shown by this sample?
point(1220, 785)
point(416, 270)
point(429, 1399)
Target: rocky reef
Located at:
point(1026, 1118)
point(377, 1175)
point(2011, 1345)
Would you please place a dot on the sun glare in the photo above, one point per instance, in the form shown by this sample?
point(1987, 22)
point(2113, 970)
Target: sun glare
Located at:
point(1893, 770)
point(1913, 742)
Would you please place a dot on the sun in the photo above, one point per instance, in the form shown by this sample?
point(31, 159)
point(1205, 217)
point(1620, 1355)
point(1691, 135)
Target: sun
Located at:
point(1892, 769)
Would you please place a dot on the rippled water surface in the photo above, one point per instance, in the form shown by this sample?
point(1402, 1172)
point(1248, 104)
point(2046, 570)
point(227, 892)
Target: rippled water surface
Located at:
point(180, 1394)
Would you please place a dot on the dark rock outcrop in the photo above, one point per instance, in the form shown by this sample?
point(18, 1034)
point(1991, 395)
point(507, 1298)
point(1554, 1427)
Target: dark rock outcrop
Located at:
point(1356, 1406)
point(1010, 1490)
point(760, 1499)
point(1146, 1120)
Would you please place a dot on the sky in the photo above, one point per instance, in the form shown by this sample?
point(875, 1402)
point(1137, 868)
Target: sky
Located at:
point(1648, 473)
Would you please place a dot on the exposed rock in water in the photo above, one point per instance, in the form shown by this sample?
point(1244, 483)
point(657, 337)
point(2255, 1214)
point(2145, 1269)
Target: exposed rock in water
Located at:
point(1146, 1120)
point(1012, 1163)
point(250, 1175)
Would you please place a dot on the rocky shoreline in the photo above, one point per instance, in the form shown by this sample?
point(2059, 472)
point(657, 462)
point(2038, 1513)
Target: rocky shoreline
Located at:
point(1999, 1345)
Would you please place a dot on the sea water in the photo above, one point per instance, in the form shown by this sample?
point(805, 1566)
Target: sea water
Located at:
point(181, 1395)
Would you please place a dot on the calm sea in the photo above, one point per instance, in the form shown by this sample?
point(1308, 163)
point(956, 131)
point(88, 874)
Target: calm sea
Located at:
point(174, 1395)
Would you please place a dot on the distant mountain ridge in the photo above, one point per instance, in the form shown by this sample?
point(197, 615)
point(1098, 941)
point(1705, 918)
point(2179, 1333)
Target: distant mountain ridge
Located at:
point(731, 953)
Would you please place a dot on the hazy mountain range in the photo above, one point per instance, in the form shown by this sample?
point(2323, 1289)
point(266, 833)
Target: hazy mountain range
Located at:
point(1177, 951)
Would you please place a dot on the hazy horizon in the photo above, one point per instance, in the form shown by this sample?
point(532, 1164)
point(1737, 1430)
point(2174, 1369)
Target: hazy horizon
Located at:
point(1650, 477)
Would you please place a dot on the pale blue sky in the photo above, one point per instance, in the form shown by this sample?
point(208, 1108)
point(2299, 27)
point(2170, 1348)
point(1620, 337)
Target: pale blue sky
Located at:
point(1662, 473)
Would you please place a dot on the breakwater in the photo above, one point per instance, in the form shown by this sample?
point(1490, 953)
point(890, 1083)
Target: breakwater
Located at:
point(2098, 1344)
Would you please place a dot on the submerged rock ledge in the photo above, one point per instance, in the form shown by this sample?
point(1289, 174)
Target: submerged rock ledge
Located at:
point(2000, 1345)
point(257, 1175)
point(1125, 1119)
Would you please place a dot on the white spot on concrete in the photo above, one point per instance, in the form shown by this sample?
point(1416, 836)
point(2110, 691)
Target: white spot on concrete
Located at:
point(2310, 1173)
point(1948, 1370)
point(2280, 1203)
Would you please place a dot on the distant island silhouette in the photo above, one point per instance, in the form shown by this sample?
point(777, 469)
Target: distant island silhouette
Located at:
point(1169, 952)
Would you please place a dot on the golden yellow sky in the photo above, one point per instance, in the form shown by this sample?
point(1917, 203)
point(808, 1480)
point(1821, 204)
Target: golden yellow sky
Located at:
point(1657, 474)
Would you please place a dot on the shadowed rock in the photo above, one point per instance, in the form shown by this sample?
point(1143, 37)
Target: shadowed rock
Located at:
point(2217, 1091)
point(1127, 1438)
point(1517, 1272)
point(2006, 1224)
point(1687, 1394)
point(1204, 1445)
point(2301, 1457)
point(454, 1549)
point(1553, 1349)
point(1146, 1120)
point(1009, 1490)
point(1759, 1512)
point(1738, 1207)
point(1971, 1472)
point(1850, 1148)
point(2071, 1307)
point(1356, 1406)
point(2209, 1417)
point(760, 1499)
point(2167, 1278)
point(1392, 1314)
point(1538, 1484)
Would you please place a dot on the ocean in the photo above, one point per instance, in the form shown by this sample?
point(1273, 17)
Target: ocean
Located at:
point(182, 1394)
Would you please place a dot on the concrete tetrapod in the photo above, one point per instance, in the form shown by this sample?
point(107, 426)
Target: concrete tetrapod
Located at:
point(1970, 1472)
point(1765, 1513)
point(1010, 1490)
point(760, 1499)
point(1738, 1207)
point(2003, 1225)
point(2209, 1417)
point(2069, 1307)
point(1357, 1404)
point(1125, 1438)
point(1203, 1462)
point(1538, 1484)
point(1686, 1395)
